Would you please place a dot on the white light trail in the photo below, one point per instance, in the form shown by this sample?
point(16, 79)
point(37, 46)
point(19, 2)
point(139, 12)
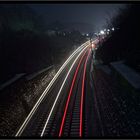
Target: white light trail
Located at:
point(60, 91)
point(23, 126)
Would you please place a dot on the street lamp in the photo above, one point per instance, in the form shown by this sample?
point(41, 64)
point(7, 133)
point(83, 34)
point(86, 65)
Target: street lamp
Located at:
point(108, 30)
point(102, 32)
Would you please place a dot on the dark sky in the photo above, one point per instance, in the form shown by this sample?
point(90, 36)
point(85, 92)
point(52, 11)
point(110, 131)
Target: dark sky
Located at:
point(94, 14)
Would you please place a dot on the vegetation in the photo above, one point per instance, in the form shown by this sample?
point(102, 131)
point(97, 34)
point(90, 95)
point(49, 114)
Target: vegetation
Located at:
point(25, 43)
point(124, 41)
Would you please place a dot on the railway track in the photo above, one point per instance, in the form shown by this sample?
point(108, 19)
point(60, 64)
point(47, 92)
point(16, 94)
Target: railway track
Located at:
point(68, 124)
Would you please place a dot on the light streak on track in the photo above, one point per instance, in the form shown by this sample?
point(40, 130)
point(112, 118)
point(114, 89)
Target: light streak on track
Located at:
point(28, 118)
point(69, 95)
point(48, 118)
point(82, 96)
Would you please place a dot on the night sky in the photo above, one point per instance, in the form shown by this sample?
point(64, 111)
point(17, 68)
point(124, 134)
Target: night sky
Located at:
point(94, 14)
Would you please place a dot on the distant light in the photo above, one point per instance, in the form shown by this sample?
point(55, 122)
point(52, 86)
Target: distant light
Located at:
point(102, 32)
point(96, 34)
point(87, 34)
point(113, 29)
point(108, 30)
point(93, 46)
point(107, 33)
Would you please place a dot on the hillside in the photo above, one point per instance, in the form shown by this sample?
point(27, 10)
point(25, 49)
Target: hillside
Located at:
point(124, 42)
point(25, 47)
